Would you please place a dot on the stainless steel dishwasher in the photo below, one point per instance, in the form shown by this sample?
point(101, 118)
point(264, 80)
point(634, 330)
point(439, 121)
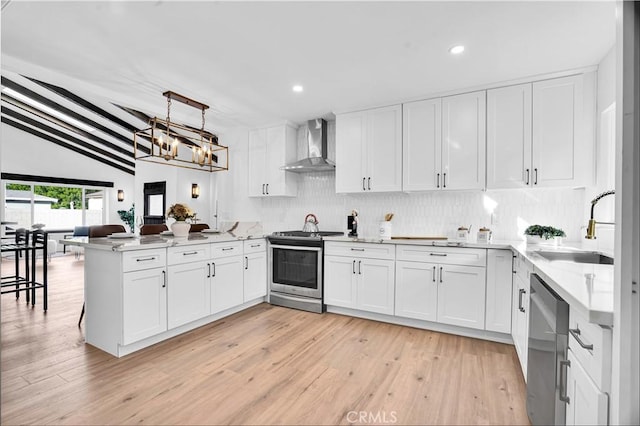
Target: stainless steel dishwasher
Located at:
point(547, 355)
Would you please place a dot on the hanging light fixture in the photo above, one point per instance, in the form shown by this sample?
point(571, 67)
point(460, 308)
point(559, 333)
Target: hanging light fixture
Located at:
point(181, 145)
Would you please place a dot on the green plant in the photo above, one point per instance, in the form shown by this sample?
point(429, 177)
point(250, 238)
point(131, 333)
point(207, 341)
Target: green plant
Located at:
point(128, 216)
point(545, 232)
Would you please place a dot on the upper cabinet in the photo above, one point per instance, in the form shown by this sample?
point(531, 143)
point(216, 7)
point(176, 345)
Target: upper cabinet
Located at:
point(541, 134)
point(444, 143)
point(369, 150)
point(269, 149)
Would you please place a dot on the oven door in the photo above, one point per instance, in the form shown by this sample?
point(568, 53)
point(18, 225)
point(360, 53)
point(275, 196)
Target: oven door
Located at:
point(296, 270)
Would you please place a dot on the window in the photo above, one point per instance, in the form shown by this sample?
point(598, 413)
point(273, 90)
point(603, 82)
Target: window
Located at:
point(55, 206)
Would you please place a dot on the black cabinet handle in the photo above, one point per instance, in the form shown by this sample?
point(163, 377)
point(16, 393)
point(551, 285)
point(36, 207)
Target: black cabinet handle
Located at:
point(434, 274)
point(359, 267)
point(438, 254)
point(564, 366)
point(364, 188)
point(527, 179)
point(209, 270)
point(441, 274)
point(164, 279)
point(214, 269)
point(246, 262)
point(444, 180)
point(145, 259)
point(189, 253)
point(267, 189)
point(535, 174)
point(520, 293)
point(263, 189)
point(438, 180)
point(369, 184)
point(354, 267)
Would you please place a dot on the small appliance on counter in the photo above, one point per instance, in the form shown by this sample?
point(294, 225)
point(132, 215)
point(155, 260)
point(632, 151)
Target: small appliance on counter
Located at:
point(352, 223)
point(463, 233)
point(484, 235)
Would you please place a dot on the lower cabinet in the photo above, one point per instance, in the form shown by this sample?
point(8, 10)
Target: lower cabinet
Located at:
point(226, 283)
point(587, 405)
point(441, 284)
point(499, 290)
point(461, 295)
point(144, 304)
point(255, 269)
point(360, 283)
point(188, 293)
point(520, 310)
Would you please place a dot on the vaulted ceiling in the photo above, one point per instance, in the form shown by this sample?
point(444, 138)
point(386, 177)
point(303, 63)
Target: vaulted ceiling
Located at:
point(242, 58)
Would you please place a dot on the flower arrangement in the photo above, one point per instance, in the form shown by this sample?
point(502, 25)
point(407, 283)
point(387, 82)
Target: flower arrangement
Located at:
point(180, 212)
point(545, 232)
point(127, 216)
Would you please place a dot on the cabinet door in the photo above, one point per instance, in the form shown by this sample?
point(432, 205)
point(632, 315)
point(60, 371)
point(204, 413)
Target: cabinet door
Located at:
point(509, 137)
point(416, 290)
point(461, 291)
point(257, 162)
point(281, 149)
point(350, 139)
point(144, 304)
point(557, 117)
point(227, 288)
point(384, 149)
point(463, 141)
point(421, 144)
point(521, 322)
point(255, 276)
point(588, 405)
point(499, 277)
point(375, 285)
point(339, 281)
point(188, 295)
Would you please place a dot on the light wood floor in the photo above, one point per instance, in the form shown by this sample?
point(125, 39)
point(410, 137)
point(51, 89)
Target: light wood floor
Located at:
point(266, 365)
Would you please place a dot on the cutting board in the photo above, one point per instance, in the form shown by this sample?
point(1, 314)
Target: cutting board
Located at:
point(419, 238)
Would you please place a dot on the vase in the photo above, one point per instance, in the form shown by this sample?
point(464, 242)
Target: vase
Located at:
point(538, 240)
point(180, 228)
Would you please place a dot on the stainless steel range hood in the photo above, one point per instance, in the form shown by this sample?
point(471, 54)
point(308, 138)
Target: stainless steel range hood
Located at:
point(317, 158)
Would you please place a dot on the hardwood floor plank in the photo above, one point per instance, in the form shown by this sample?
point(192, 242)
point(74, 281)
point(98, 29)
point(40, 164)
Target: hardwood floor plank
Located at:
point(265, 365)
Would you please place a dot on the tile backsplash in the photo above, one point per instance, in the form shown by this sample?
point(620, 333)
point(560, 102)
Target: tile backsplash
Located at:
point(430, 213)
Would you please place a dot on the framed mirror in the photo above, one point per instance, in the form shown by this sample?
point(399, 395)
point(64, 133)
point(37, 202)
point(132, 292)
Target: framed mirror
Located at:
point(155, 203)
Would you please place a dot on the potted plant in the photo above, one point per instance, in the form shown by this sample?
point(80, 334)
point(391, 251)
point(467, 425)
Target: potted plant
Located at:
point(539, 234)
point(127, 216)
point(180, 212)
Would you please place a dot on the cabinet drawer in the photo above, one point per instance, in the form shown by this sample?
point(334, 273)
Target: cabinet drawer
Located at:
point(596, 360)
point(143, 259)
point(444, 255)
point(232, 248)
point(255, 246)
point(368, 250)
point(185, 254)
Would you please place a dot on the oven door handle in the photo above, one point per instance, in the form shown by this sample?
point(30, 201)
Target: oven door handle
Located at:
point(304, 248)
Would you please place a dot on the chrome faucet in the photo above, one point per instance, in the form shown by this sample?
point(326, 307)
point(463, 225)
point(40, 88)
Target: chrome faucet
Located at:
point(591, 228)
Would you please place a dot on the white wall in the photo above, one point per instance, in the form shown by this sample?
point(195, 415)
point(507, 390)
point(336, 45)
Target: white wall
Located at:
point(23, 153)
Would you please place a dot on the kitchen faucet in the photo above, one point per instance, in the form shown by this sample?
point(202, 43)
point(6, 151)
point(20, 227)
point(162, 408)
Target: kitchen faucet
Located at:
point(591, 228)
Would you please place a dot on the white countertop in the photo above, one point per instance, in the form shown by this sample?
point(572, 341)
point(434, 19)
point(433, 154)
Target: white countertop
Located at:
point(586, 287)
point(154, 241)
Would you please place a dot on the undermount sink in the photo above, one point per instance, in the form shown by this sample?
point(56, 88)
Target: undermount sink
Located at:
point(577, 256)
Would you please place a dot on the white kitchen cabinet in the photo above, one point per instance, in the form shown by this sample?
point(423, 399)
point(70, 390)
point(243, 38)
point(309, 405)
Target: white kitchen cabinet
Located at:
point(416, 290)
point(587, 405)
point(464, 141)
point(188, 293)
point(520, 310)
point(421, 144)
point(499, 285)
point(340, 281)
point(563, 131)
point(144, 304)
point(444, 143)
point(353, 279)
point(270, 149)
point(226, 281)
point(255, 269)
point(459, 290)
point(369, 150)
point(509, 137)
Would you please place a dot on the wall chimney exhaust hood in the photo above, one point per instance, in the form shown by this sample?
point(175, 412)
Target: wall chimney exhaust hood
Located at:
point(316, 160)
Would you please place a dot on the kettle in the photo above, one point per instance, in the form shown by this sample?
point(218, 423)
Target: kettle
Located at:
point(310, 223)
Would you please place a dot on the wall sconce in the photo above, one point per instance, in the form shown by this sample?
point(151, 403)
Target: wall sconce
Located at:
point(195, 190)
point(120, 195)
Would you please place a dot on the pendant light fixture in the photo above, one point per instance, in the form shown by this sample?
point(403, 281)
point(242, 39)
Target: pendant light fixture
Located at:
point(181, 145)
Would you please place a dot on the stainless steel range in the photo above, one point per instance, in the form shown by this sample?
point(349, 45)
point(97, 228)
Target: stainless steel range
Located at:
point(295, 269)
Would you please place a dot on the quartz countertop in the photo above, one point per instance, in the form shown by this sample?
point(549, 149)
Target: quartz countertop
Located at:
point(155, 241)
point(585, 287)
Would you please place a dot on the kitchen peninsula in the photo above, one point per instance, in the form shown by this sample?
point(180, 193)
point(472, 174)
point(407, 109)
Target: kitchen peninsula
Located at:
point(141, 291)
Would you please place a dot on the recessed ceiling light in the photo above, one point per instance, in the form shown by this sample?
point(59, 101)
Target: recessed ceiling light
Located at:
point(297, 88)
point(456, 50)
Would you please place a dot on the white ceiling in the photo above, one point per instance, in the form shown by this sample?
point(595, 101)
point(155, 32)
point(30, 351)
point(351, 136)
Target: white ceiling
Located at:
point(242, 58)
